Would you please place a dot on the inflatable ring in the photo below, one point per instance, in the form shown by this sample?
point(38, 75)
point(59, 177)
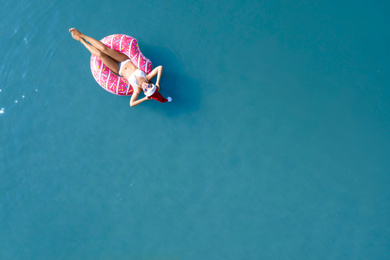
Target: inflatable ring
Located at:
point(109, 80)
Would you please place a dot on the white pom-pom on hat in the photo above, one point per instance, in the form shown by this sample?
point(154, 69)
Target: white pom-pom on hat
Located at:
point(169, 99)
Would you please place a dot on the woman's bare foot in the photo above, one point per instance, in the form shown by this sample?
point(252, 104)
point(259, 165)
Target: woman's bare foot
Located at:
point(75, 34)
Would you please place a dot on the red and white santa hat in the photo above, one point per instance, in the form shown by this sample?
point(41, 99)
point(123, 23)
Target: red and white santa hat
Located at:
point(157, 96)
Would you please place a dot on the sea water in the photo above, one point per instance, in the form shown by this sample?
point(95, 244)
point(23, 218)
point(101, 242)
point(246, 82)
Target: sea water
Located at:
point(276, 144)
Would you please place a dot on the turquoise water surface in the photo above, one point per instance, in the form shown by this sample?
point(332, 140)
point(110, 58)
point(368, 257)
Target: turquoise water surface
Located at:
point(276, 144)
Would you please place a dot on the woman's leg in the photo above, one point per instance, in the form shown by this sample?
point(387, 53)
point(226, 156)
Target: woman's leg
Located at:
point(107, 60)
point(116, 55)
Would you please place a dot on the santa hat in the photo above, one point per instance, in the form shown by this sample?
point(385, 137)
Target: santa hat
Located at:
point(157, 96)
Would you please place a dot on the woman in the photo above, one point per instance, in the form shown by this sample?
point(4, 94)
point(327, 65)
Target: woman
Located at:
point(121, 65)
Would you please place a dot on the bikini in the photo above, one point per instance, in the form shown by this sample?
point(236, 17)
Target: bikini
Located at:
point(133, 78)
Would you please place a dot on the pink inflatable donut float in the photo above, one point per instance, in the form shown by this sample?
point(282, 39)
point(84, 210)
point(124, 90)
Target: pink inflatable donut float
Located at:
point(109, 80)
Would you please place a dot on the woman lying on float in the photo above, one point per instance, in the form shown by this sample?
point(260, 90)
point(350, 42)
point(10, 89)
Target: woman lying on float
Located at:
point(120, 64)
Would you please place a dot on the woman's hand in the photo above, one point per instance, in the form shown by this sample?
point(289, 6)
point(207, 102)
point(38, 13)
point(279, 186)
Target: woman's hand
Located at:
point(158, 86)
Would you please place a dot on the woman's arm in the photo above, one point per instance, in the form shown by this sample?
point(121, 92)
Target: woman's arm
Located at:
point(156, 71)
point(134, 101)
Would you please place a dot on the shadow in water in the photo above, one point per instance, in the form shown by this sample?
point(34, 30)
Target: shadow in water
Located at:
point(175, 81)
